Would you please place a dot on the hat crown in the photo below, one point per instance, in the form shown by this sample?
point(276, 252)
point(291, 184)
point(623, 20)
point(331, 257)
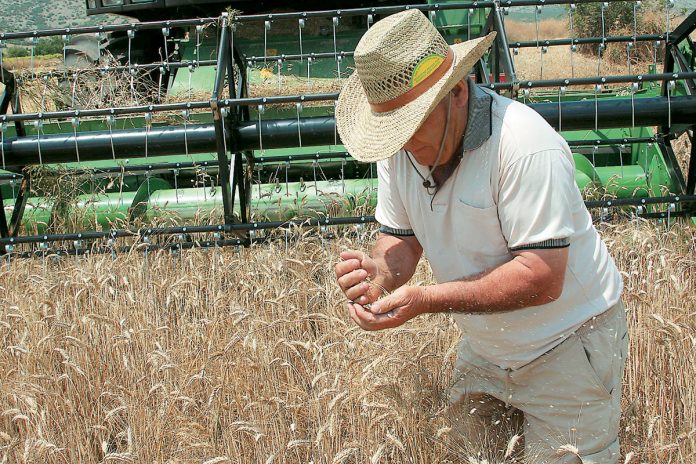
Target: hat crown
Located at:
point(395, 53)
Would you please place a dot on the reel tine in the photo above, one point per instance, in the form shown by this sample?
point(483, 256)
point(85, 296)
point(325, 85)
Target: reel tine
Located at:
point(343, 176)
point(74, 91)
point(315, 163)
point(636, 5)
point(131, 36)
point(148, 121)
point(176, 185)
point(43, 93)
point(185, 115)
point(543, 52)
point(300, 26)
point(634, 87)
point(258, 167)
point(537, 12)
point(468, 23)
point(279, 79)
point(261, 109)
point(131, 70)
point(165, 34)
point(298, 109)
point(603, 6)
point(597, 89)
point(335, 126)
point(110, 121)
point(190, 68)
point(34, 42)
point(199, 29)
point(561, 92)
point(2, 69)
point(573, 47)
point(621, 149)
point(287, 180)
point(670, 86)
point(266, 28)
point(594, 152)
point(334, 22)
point(75, 121)
point(38, 124)
point(66, 40)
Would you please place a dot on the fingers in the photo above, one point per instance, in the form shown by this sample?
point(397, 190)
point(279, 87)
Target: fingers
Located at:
point(352, 277)
point(368, 321)
point(352, 254)
point(389, 303)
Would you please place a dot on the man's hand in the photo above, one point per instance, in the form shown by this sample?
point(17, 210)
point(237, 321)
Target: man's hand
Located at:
point(391, 311)
point(352, 274)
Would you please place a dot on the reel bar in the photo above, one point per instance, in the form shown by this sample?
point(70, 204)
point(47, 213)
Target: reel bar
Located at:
point(255, 101)
point(395, 9)
point(597, 80)
point(587, 40)
point(134, 67)
point(320, 130)
point(108, 28)
point(59, 148)
point(105, 249)
point(311, 222)
point(279, 16)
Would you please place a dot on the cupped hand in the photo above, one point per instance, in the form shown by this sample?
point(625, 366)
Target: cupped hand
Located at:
point(392, 310)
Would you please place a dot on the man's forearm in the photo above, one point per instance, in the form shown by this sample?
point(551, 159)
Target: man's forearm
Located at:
point(510, 286)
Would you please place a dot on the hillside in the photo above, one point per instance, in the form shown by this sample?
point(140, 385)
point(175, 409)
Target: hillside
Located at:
point(24, 15)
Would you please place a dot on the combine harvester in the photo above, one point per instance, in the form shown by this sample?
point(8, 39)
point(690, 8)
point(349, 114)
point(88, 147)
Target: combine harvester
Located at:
point(147, 133)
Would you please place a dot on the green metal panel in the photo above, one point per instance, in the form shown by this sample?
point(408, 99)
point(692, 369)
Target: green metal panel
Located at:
point(454, 24)
point(623, 181)
point(269, 201)
point(199, 79)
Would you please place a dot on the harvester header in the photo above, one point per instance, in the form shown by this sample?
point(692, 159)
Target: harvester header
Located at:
point(205, 126)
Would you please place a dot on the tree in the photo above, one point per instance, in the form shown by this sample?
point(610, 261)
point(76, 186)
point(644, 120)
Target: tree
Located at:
point(49, 46)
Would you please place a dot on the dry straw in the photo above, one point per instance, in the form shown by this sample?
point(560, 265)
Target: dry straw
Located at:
point(249, 356)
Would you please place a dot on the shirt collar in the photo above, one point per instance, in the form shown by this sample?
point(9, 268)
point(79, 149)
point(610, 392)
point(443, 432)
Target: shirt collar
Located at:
point(478, 126)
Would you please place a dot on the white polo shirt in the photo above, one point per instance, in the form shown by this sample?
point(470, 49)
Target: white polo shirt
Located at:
point(513, 189)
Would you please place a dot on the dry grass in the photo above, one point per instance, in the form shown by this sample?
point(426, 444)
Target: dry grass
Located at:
point(518, 31)
point(248, 356)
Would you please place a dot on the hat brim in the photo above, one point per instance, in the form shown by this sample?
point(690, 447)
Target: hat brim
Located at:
point(370, 136)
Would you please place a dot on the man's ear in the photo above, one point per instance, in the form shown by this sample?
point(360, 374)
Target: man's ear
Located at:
point(460, 94)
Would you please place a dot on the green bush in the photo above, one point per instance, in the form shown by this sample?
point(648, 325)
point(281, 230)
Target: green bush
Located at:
point(49, 46)
point(587, 19)
point(15, 52)
point(619, 20)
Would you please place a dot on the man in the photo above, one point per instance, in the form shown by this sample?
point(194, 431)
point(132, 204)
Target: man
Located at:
point(485, 188)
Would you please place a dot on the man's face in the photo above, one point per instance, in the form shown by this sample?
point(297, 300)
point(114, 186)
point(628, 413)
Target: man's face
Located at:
point(425, 143)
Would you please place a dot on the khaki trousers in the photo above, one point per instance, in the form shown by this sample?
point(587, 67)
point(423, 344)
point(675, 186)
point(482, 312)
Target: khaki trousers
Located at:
point(566, 403)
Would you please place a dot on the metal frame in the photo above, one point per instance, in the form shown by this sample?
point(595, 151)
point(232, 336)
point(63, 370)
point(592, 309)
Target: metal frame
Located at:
point(11, 100)
point(143, 234)
point(233, 135)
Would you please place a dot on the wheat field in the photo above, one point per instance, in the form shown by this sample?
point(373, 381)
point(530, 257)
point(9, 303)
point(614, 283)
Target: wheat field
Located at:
point(248, 355)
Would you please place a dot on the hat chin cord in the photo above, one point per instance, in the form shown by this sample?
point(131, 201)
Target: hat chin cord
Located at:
point(426, 180)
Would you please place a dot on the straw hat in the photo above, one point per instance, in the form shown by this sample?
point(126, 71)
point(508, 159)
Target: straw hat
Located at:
point(403, 69)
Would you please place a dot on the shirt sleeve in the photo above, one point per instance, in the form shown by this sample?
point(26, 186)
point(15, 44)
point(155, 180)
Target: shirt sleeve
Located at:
point(536, 199)
point(390, 212)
